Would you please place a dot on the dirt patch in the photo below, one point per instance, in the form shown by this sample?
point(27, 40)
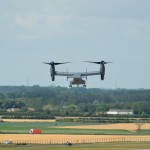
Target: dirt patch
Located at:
point(119, 126)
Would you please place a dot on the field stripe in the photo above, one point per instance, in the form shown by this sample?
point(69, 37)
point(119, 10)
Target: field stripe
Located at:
point(61, 139)
point(118, 126)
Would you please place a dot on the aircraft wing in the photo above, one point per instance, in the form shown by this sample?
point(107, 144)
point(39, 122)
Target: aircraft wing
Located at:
point(77, 74)
point(92, 73)
point(58, 73)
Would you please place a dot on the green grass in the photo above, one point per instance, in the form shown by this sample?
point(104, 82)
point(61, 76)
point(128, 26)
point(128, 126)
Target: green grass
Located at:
point(49, 128)
point(102, 146)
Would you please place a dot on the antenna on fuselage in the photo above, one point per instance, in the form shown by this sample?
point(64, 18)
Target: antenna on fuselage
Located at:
point(67, 74)
point(27, 82)
point(86, 73)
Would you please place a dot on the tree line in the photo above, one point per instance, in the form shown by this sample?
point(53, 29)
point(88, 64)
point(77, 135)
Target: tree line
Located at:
point(61, 101)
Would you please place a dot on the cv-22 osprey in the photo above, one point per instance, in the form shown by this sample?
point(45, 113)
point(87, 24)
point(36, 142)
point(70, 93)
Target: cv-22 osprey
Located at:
point(77, 77)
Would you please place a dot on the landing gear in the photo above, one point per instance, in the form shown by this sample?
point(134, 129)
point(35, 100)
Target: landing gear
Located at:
point(102, 76)
point(77, 86)
point(84, 85)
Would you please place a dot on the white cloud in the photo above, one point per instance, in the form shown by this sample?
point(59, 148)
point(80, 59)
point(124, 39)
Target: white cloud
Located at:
point(65, 17)
point(137, 29)
point(37, 25)
point(26, 22)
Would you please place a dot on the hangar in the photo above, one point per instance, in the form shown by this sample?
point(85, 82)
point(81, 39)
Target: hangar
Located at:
point(120, 112)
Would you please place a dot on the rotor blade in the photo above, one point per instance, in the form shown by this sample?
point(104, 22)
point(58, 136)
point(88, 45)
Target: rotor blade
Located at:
point(61, 63)
point(108, 62)
point(53, 63)
point(93, 62)
point(47, 63)
point(100, 62)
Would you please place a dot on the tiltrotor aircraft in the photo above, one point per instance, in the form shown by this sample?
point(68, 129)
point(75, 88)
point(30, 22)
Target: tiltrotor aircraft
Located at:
point(77, 77)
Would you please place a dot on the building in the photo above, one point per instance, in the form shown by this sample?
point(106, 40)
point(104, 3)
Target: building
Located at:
point(13, 109)
point(119, 112)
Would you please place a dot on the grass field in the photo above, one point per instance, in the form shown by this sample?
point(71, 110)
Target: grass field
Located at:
point(28, 120)
point(72, 128)
point(102, 146)
point(76, 133)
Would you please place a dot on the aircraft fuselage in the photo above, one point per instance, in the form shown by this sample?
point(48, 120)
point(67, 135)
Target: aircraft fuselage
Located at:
point(77, 81)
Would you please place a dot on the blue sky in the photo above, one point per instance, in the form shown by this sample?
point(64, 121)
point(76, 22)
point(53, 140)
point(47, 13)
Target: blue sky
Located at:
point(36, 31)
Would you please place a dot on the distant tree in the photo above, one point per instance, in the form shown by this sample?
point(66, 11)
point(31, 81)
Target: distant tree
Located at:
point(100, 109)
point(139, 124)
point(48, 107)
point(2, 96)
point(77, 101)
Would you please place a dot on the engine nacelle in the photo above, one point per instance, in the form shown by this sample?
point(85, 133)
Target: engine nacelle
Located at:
point(52, 68)
point(52, 72)
point(53, 77)
point(102, 67)
point(102, 76)
point(102, 71)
